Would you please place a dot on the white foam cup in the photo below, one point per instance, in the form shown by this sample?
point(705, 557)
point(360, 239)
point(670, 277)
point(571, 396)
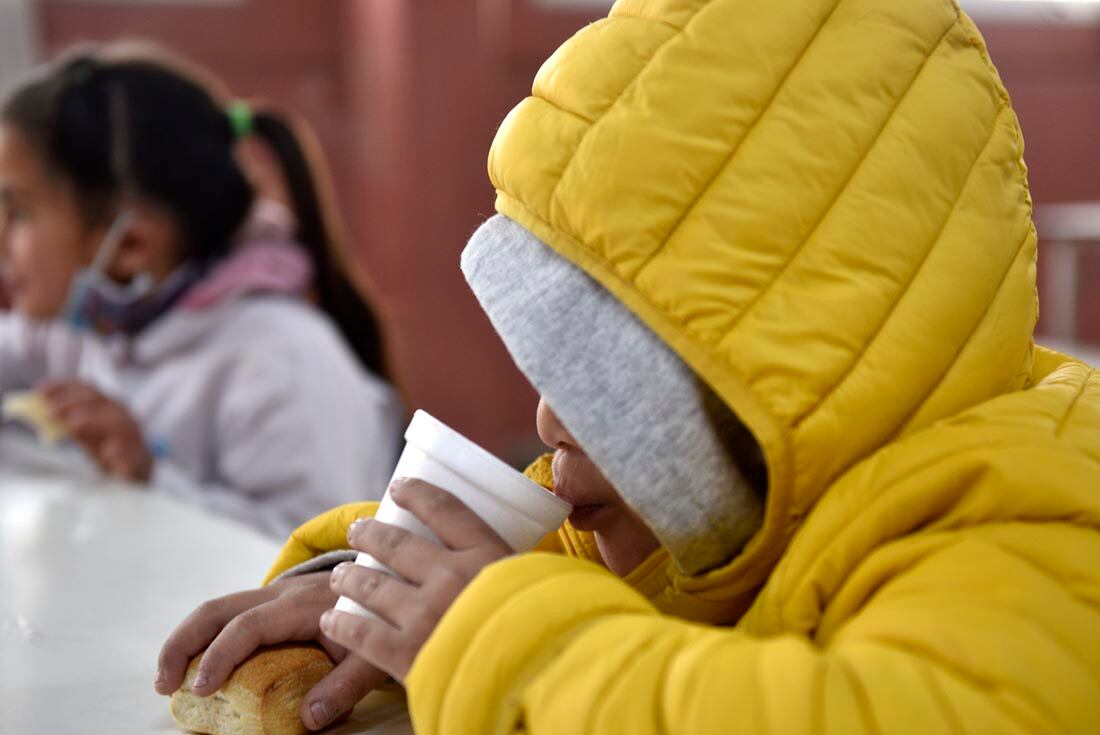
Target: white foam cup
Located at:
point(518, 509)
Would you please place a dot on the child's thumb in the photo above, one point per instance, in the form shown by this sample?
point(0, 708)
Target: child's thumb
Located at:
point(337, 694)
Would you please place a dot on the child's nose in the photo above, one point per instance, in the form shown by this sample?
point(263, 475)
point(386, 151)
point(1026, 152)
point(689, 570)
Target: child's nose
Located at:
point(551, 430)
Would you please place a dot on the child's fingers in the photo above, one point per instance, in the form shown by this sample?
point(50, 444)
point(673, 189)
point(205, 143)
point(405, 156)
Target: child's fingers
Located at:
point(102, 416)
point(412, 557)
point(104, 428)
point(89, 427)
point(87, 432)
point(374, 640)
point(63, 397)
point(95, 402)
point(337, 694)
point(119, 459)
point(283, 619)
point(50, 388)
point(112, 454)
point(335, 651)
point(196, 632)
point(377, 591)
point(86, 419)
point(449, 518)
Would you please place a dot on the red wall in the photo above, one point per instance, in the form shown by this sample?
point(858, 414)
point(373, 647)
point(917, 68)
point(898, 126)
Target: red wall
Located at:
point(406, 96)
point(434, 79)
point(1053, 76)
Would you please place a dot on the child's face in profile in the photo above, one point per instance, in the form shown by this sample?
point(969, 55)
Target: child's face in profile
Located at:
point(623, 538)
point(43, 238)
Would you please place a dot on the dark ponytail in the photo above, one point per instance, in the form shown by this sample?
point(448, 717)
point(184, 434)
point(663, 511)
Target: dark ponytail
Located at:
point(87, 113)
point(178, 145)
point(342, 299)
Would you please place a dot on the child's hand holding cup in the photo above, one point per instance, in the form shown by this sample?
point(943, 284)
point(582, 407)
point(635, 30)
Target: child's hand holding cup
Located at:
point(519, 510)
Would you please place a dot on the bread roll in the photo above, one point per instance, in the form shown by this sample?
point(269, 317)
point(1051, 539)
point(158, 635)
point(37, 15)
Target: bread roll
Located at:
point(33, 409)
point(261, 697)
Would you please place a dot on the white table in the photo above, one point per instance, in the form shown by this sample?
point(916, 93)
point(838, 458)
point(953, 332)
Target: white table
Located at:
point(93, 577)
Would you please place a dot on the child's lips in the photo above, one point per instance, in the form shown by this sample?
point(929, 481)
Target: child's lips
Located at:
point(565, 493)
point(561, 485)
point(583, 515)
point(586, 517)
point(586, 514)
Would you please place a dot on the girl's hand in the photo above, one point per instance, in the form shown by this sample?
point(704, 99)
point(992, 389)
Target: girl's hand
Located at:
point(103, 427)
point(230, 628)
point(433, 576)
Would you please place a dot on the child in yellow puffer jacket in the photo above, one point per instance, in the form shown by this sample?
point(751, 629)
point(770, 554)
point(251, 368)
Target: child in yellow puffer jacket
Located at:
point(771, 267)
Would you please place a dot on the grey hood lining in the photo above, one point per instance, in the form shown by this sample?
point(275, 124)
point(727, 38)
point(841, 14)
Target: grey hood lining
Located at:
point(638, 411)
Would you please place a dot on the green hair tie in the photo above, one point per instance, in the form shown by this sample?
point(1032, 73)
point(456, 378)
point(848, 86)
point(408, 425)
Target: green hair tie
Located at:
point(240, 119)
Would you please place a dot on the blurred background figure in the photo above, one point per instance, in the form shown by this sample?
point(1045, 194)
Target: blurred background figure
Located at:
point(185, 329)
point(406, 96)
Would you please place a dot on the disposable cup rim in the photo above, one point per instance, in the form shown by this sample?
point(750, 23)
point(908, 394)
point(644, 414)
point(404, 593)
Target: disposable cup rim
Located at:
point(483, 470)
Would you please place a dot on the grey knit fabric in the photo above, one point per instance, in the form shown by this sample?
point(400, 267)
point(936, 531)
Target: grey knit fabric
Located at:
point(643, 417)
point(323, 563)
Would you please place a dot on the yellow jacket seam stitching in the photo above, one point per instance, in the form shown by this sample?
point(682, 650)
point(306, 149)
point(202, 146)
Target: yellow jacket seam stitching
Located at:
point(766, 289)
point(909, 284)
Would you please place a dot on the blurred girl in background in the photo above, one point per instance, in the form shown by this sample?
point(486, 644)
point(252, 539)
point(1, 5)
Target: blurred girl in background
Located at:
point(185, 332)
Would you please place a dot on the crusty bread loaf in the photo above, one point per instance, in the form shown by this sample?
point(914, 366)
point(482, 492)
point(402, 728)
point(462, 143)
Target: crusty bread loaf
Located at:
point(261, 697)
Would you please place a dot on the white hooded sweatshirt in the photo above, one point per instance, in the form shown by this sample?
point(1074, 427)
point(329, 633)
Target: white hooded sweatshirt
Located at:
point(254, 408)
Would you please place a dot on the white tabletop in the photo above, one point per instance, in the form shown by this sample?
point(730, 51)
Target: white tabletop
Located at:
point(93, 577)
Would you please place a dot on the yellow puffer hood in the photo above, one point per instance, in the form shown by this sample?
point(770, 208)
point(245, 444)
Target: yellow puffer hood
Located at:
point(819, 205)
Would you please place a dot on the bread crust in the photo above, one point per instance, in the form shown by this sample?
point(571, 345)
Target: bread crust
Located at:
point(261, 697)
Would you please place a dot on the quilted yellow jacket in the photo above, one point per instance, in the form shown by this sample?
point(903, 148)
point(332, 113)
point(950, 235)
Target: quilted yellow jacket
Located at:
point(821, 206)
